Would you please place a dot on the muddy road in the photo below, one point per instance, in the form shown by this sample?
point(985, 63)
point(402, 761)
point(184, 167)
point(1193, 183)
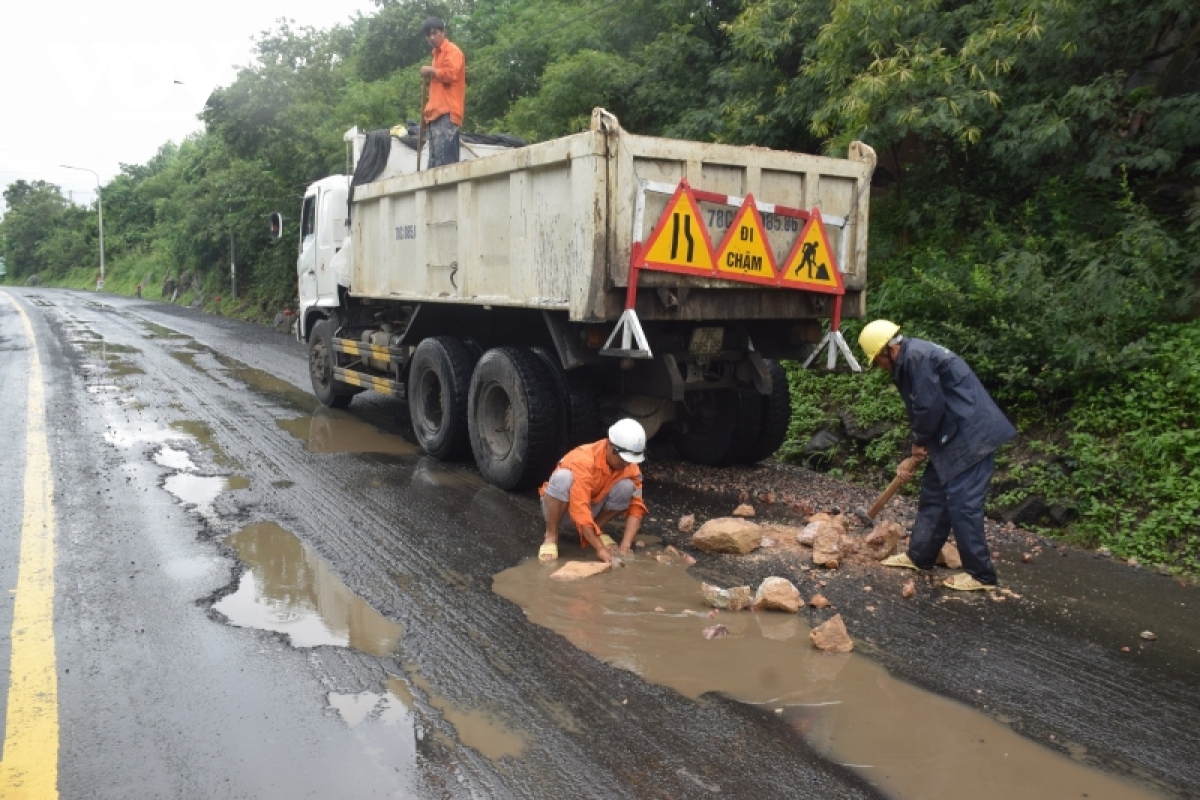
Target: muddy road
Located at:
point(218, 589)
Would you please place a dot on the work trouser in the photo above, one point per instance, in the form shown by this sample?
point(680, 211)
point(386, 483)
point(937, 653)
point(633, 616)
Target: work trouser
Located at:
point(443, 141)
point(957, 506)
point(617, 499)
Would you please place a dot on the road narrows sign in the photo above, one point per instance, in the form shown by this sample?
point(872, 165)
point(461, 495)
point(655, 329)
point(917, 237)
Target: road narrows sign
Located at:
point(745, 251)
point(811, 265)
point(680, 242)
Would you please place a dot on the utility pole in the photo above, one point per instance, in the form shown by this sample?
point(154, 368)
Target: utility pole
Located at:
point(100, 209)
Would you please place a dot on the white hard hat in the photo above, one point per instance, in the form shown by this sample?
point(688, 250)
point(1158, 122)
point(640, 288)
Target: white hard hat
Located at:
point(628, 438)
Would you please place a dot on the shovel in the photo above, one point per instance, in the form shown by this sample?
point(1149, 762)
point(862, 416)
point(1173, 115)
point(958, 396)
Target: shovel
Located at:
point(867, 516)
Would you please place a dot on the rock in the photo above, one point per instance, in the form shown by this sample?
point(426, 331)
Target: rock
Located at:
point(734, 598)
point(687, 523)
point(744, 510)
point(727, 535)
point(767, 541)
point(1026, 512)
point(883, 540)
point(821, 444)
point(34, 280)
point(715, 632)
point(867, 434)
point(672, 551)
point(1104, 552)
point(949, 557)
point(831, 636)
point(909, 589)
point(1148, 636)
point(659, 609)
point(807, 534)
point(1026, 558)
point(1124, 649)
point(664, 559)
point(836, 519)
point(818, 601)
point(827, 549)
point(778, 594)
point(849, 545)
point(639, 544)
point(1132, 561)
point(767, 497)
point(1062, 515)
point(574, 570)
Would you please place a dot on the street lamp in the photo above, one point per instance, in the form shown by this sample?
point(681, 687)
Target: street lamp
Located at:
point(100, 208)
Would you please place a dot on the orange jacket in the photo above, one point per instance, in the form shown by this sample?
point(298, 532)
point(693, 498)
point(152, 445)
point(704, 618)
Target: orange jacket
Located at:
point(593, 481)
point(448, 88)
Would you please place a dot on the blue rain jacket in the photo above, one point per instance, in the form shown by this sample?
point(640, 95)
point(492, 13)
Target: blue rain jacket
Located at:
point(950, 412)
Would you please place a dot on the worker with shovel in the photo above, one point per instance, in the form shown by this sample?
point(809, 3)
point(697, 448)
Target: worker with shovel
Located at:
point(958, 427)
point(446, 88)
point(594, 483)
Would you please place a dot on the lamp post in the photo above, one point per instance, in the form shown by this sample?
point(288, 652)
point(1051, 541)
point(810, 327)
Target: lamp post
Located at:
point(100, 208)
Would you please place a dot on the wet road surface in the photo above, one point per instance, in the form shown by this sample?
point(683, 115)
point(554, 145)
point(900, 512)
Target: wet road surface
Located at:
point(257, 597)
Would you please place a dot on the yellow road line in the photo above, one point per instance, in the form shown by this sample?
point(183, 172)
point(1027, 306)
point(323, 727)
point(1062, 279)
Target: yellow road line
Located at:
point(29, 768)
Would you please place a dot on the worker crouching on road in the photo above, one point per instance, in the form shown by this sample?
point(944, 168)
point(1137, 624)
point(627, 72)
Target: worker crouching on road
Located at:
point(958, 427)
point(594, 483)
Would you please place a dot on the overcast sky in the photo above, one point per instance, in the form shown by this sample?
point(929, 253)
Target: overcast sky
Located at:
point(91, 83)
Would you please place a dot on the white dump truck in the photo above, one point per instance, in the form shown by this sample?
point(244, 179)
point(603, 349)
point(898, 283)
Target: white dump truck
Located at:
point(522, 299)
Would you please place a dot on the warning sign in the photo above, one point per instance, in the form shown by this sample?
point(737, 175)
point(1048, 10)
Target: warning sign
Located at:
point(745, 252)
point(680, 242)
point(810, 264)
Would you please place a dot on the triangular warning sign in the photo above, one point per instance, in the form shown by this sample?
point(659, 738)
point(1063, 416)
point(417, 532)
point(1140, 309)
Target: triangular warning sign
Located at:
point(745, 253)
point(680, 241)
point(811, 265)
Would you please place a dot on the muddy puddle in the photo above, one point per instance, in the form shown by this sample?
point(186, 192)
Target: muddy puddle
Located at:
point(289, 589)
point(328, 431)
point(908, 742)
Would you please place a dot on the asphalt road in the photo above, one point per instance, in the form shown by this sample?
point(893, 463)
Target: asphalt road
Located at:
point(253, 597)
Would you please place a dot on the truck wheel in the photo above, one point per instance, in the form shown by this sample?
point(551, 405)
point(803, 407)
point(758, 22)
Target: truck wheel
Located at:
point(438, 382)
point(776, 415)
point(331, 393)
point(577, 395)
point(716, 427)
point(514, 418)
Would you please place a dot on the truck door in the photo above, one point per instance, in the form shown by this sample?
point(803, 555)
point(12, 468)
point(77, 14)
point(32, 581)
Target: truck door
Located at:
point(306, 263)
point(331, 233)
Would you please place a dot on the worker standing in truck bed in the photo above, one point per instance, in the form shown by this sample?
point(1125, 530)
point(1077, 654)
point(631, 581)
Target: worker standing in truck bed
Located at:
point(447, 79)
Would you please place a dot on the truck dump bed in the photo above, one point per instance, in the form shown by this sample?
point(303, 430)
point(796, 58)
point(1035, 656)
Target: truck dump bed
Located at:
point(553, 225)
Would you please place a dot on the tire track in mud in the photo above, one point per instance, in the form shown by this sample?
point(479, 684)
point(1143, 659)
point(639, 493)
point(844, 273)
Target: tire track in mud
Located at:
point(450, 626)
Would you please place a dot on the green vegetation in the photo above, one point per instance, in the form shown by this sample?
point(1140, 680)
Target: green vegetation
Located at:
point(1035, 208)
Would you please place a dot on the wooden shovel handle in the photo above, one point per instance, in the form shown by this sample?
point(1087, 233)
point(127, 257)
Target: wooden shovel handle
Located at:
point(892, 488)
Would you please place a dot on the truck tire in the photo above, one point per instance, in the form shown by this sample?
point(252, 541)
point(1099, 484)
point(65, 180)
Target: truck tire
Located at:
point(329, 392)
point(776, 415)
point(439, 378)
point(513, 417)
point(580, 422)
point(716, 426)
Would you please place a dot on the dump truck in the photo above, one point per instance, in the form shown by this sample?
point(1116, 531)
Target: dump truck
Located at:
point(521, 300)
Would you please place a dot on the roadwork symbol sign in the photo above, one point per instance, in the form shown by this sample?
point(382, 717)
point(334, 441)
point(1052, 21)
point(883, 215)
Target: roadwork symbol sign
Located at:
point(810, 264)
point(680, 242)
point(745, 252)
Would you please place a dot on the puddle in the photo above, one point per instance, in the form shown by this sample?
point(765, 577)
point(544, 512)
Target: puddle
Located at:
point(363, 707)
point(201, 433)
point(476, 728)
point(329, 431)
point(289, 589)
point(155, 331)
point(128, 437)
point(171, 458)
point(199, 491)
point(908, 742)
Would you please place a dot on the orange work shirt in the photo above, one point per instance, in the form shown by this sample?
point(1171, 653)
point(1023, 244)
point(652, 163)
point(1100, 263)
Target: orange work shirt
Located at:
point(448, 87)
point(593, 481)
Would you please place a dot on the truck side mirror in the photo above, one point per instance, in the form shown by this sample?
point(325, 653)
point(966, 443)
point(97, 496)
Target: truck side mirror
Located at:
point(276, 225)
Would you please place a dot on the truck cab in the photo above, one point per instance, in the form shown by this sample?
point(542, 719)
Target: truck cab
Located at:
point(324, 228)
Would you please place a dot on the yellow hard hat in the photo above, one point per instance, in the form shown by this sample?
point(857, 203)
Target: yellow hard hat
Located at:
point(875, 336)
